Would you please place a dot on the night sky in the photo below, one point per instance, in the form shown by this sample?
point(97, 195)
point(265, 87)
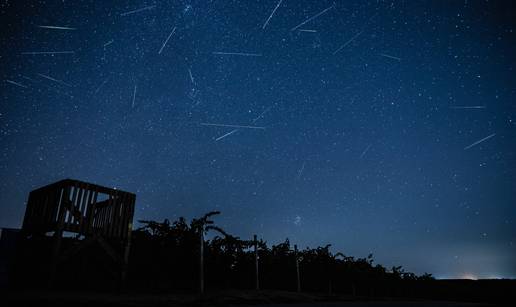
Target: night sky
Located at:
point(380, 127)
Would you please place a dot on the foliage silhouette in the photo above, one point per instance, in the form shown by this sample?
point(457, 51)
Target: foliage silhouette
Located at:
point(164, 256)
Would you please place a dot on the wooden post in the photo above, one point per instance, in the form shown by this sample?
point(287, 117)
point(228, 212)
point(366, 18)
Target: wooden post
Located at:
point(297, 270)
point(329, 273)
point(125, 261)
point(201, 262)
point(256, 263)
point(58, 234)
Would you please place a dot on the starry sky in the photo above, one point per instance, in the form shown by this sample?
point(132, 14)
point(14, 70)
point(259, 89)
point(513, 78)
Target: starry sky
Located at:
point(380, 127)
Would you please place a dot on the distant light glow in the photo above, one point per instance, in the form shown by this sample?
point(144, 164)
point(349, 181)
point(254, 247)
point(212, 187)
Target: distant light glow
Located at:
point(469, 276)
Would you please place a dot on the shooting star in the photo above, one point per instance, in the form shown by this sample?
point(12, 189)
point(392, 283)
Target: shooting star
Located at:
point(134, 96)
point(16, 83)
point(312, 18)
point(108, 43)
point(253, 121)
point(166, 41)
point(467, 107)
point(47, 52)
point(57, 28)
point(347, 43)
point(300, 172)
point(307, 30)
point(390, 56)
point(191, 76)
point(365, 151)
point(27, 78)
point(270, 16)
point(480, 141)
point(237, 53)
point(150, 7)
point(232, 126)
point(225, 135)
point(98, 88)
point(55, 80)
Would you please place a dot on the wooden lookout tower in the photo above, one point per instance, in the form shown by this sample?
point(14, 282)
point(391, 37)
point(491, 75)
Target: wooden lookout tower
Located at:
point(71, 216)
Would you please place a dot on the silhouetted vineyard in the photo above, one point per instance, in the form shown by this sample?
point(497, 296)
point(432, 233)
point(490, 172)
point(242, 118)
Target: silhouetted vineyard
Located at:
point(165, 255)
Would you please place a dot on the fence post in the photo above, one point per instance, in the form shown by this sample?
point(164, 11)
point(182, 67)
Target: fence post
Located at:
point(297, 270)
point(201, 262)
point(256, 263)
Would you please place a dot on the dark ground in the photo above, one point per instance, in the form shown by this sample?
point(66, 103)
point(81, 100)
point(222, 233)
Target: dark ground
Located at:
point(226, 298)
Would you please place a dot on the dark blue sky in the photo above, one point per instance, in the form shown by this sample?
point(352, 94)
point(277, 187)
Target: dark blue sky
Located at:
point(366, 115)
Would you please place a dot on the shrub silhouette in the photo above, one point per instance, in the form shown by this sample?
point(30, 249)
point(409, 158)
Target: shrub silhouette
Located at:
point(165, 256)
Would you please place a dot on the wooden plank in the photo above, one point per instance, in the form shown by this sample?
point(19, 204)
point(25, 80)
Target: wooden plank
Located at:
point(29, 212)
point(75, 205)
point(108, 221)
point(72, 182)
point(43, 207)
point(102, 217)
point(90, 213)
point(51, 186)
point(59, 203)
point(103, 220)
point(52, 216)
point(102, 213)
point(85, 211)
point(87, 198)
point(78, 213)
point(62, 211)
point(104, 203)
point(120, 215)
point(35, 225)
point(78, 210)
point(122, 225)
point(42, 211)
point(35, 211)
point(71, 203)
point(98, 219)
point(109, 225)
point(94, 221)
point(114, 215)
point(129, 216)
point(57, 239)
point(117, 217)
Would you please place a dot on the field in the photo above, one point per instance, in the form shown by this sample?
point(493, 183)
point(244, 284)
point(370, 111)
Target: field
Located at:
point(223, 298)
